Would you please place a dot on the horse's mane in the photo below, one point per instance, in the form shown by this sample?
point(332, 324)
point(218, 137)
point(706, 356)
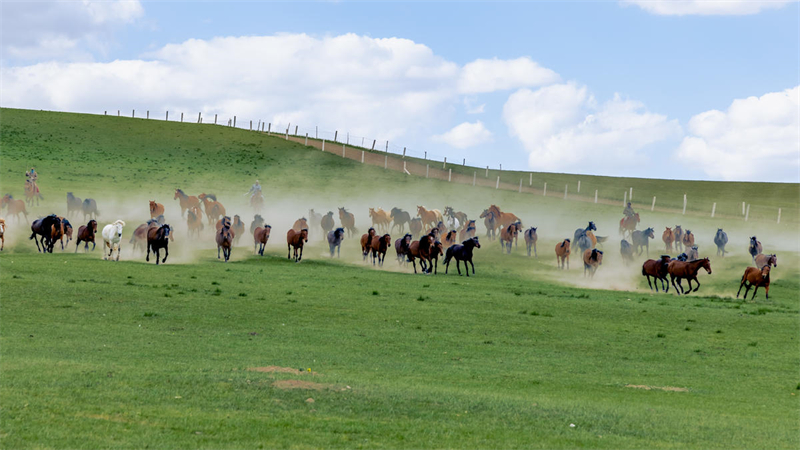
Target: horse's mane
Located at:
point(180, 191)
point(211, 196)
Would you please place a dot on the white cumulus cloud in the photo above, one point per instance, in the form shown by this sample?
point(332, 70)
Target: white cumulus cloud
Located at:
point(755, 139)
point(563, 128)
point(489, 75)
point(706, 7)
point(465, 135)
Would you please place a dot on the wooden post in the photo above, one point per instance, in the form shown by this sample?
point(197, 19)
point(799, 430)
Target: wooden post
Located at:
point(487, 171)
point(215, 119)
point(444, 164)
point(105, 113)
point(565, 191)
point(167, 118)
point(343, 155)
point(497, 185)
point(234, 120)
point(117, 113)
point(449, 175)
point(199, 117)
point(713, 209)
point(779, 215)
point(653, 206)
point(474, 177)
point(742, 208)
point(148, 113)
point(530, 180)
point(387, 146)
point(501, 167)
point(579, 186)
point(323, 145)
point(133, 114)
point(269, 128)
point(373, 143)
point(348, 138)
point(630, 195)
point(595, 195)
point(386, 161)
point(182, 119)
point(684, 204)
point(544, 192)
point(316, 132)
point(427, 170)
point(404, 152)
point(335, 135)
point(362, 156)
point(295, 129)
point(464, 161)
point(426, 155)
point(520, 185)
point(251, 127)
point(747, 214)
point(404, 168)
point(625, 199)
point(287, 134)
point(263, 125)
point(362, 142)
point(306, 139)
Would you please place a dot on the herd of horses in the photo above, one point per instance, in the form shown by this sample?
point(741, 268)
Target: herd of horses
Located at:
point(430, 234)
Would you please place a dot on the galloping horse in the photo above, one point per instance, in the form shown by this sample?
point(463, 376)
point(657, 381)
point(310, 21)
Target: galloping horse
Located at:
point(224, 239)
point(420, 249)
point(455, 215)
point(335, 239)
point(86, 233)
point(327, 222)
point(530, 240)
point(112, 236)
point(237, 228)
point(626, 251)
point(687, 239)
point(721, 239)
point(74, 204)
point(32, 192)
point(348, 221)
point(67, 232)
point(562, 254)
point(399, 219)
point(628, 224)
point(763, 259)
point(299, 224)
point(450, 238)
point(429, 217)
point(678, 233)
point(257, 201)
point(314, 218)
point(642, 239)
point(260, 238)
point(194, 220)
point(503, 219)
point(156, 209)
point(295, 240)
point(380, 218)
point(379, 246)
point(401, 247)
point(366, 242)
point(415, 226)
point(507, 236)
point(462, 252)
point(437, 249)
point(157, 238)
point(187, 202)
point(755, 247)
point(693, 254)
point(754, 277)
point(139, 236)
point(89, 208)
point(45, 227)
point(668, 236)
point(15, 207)
point(679, 270)
point(213, 208)
point(258, 221)
point(592, 259)
point(658, 269)
point(490, 222)
point(582, 239)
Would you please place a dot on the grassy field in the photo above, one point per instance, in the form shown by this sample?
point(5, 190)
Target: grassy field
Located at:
point(130, 355)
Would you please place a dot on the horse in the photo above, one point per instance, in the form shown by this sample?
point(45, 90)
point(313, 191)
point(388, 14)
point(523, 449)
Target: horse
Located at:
point(668, 236)
point(2, 234)
point(415, 226)
point(187, 202)
point(380, 218)
point(32, 192)
point(626, 251)
point(628, 224)
point(89, 208)
point(467, 231)
point(194, 220)
point(157, 238)
point(530, 240)
point(139, 236)
point(436, 249)
point(720, 240)
point(420, 249)
point(679, 270)
point(507, 236)
point(258, 221)
point(755, 247)
point(156, 209)
point(224, 239)
point(299, 224)
point(688, 239)
point(442, 228)
point(399, 219)
point(429, 217)
point(15, 207)
point(348, 221)
point(592, 259)
point(45, 227)
point(112, 237)
point(260, 238)
point(754, 277)
point(67, 231)
point(457, 216)
point(678, 232)
point(314, 218)
point(401, 247)
point(327, 222)
point(74, 204)
point(379, 246)
point(562, 253)
point(582, 240)
point(213, 208)
point(763, 259)
point(503, 219)
point(462, 252)
point(366, 242)
point(490, 222)
point(223, 222)
point(642, 239)
point(658, 269)
point(335, 239)
point(450, 238)
point(257, 201)
point(86, 233)
point(693, 254)
point(434, 233)
point(295, 240)
point(237, 228)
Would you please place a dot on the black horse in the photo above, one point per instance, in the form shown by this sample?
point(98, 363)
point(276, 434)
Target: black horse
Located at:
point(258, 221)
point(755, 247)
point(462, 252)
point(642, 239)
point(583, 241)
point(44, 227)
point(721, 239)
point(158, 238)
point(399, 219)
point(626, 250)
point(89, 208)
point(73, 204)
point(335, 239)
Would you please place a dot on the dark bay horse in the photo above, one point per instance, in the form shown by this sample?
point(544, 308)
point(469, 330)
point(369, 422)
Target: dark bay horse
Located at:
point(238, 228)
point(721, 239)
point(46, 228)
point(327, 222)
point(158, 238)
point(348, 221)
point(677, 232)
point(530, 240)
point(421, 250)
point(74, 204)
point(366, 243)
point(755, 247)
point(260, 238)
point(658, 269)
point(296, 240)
point(582, 240)
point(224, 239)
point(462, 252)
point(379, 246)
point(335, 238)
point(399, 219)
point(401, 247)
point(641, 239)
point(626, 251)
point(680, 270)
point(89, 208)
point(415, 226)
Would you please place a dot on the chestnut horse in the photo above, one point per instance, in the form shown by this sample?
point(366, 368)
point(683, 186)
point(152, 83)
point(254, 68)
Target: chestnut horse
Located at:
point(658, 269)
point(562, 254)
point(450, 239)
point(224, 239)
point(490, 222)
point(194, 220)
point(139, 236)
point(429, 217)
point(669, 238)
point(687, 239)
point(157, 238)
point(628, 224)
point(592, 259)
point(530, 240)
point(348, 221)
point(380, 218)
point(679, 270)
point(187, 202)
point(420, 249)
point(366, 242)
point(507, 236)
point(260, 238)
point(762, 260)
point(295, 240)
point(299, 224)
point(15, 207)
point(415, 226)
point(754, 277)
point(379, 246)
point(156, 209)
point(67, 232)
point(213, 208)
point(503, 219)
point(86, 233)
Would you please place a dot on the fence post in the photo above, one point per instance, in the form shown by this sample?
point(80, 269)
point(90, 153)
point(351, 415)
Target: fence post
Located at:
point(263, 125)
point(595, 195)
point(520, 185)
point(167, 118)
point(133, 114)
point(287, 134)
point(497, 185)
point(148, 113)
point(779, 215)
point(427, 169)
point(684, 204)
point(117, 113)
point(316, 132)
point(713, 209)
point(295, 129)
point(404, 168)
point(579, 185)
point(199, 117)
point(747, 214)
point(630, 195)
point(373, 144)
point(234, 120)
point(348, 138)
point(105, 113)
point(362, 156)
point(464, 161)
point(501, 167)
point(544, 192)
point(742, 208)
point(625, 199)
point(335, 135)
point(251, 127)
point(444, 164)
point(269, 128)
point(426, 155)
point(653, 206)
point(449, 175)
point(215, 119)
point(306, 139)
point(343, 155)
point(362, 142)
point(404, 152)
point(387, 146)
point(530, 181)
point(487, 171)
point(474, 177)
point(323, 145)
point(565, 191)
point(386, 161)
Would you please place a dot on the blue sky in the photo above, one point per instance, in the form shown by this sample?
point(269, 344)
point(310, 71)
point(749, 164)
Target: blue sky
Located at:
point(701, 88)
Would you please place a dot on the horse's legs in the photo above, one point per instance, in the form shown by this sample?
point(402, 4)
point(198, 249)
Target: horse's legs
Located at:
point(529, 250)
point(648, 248)
point(157, 254)
point(301, 253)
point(648, 282)
point(672, 281)
point(166, 253)
point(288, 251)
point(535, 255)
point(754, 293)
point(339, 250)
point(740, 289)
point(697, 282)
point(148, 252)
point(471, 263)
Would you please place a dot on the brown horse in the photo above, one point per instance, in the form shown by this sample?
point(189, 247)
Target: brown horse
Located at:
point(213, 208)
point(507, 235)
point(467, 231)
point(437, 249)
point(299, 224)
point(32, 192)
point(67, 232)
point(562, 253)
point(295, 240)
point(348, 221)
point(194, 220)
point(380, 218)
point(658, 269)
point(49, 228)
point(15, 207)
point(754, 277)
point(327, 223)
point(530, 240)
point(379, 246)
point(260, 238)
point(490, 222)
point(628, 224)
point(401, 247)
point(224, 239)
point(766, 260)
point(187, 202)
point(450, 239)
point(679, 270)
point(678, 233)
point(139, 236)
point(442, 228)
point(429, 217)
point(157, 238)
point(415, 226)
point(86, 233)
point(257, 201)
point(237, 228)
point(687, 239)
point(434, 233)
point(223, 222)
point(156, 209)
point(669, 238)
point(366, 242)
point(2, 234)
point(421, 250)
point(592, 259)
point(503, 219)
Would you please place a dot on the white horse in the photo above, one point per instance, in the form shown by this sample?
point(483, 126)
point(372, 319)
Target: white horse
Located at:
point(452, 223)
point(112, 235)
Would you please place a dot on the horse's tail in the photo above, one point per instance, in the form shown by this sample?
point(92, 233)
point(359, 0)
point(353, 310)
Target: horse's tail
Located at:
point(601, 238)
point(448, 255)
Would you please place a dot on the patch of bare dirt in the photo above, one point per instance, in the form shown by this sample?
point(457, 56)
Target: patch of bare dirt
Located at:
point(300, 384)
point(278, 369)
point(662, 388)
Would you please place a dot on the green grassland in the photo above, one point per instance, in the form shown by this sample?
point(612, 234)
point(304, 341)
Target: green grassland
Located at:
point(97, 354)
